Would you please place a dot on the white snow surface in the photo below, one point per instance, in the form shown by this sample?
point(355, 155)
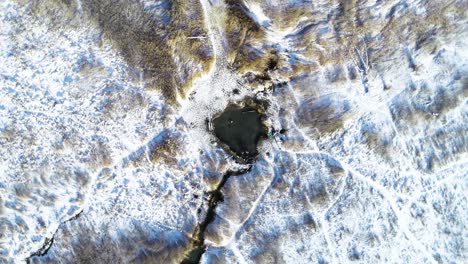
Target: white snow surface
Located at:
point(389, 185)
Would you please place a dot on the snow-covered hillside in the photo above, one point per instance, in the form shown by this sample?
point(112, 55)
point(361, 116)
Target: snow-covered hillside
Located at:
point(107, 152)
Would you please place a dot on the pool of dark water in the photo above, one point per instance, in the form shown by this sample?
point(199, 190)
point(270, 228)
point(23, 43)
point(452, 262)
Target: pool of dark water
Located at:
point(240, 128)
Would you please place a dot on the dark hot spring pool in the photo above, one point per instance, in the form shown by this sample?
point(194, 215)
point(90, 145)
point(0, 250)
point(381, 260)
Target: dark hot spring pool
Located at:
point(240, 128)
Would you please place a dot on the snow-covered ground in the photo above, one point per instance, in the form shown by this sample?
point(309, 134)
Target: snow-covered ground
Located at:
point(371, 166)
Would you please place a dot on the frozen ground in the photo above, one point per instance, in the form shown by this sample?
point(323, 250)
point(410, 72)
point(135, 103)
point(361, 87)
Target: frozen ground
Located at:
point(99, 166)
